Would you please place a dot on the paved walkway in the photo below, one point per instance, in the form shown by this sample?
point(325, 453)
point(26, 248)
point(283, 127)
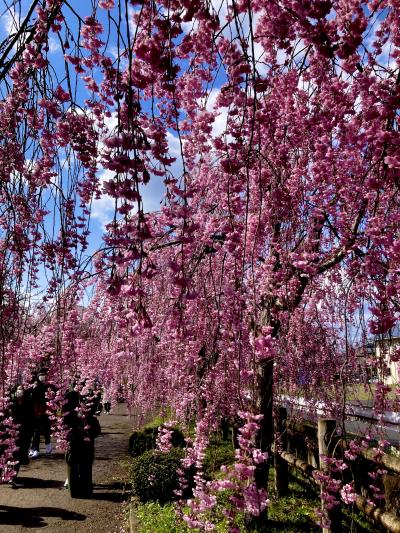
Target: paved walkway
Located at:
point(42, 504)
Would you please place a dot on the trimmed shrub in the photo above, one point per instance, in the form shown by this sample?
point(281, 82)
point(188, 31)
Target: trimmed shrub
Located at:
point(145, 439)
point(154, 475)
point(216, 456)
point(142, 441)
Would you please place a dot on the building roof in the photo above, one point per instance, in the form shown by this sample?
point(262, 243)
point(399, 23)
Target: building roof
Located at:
point(393, 333)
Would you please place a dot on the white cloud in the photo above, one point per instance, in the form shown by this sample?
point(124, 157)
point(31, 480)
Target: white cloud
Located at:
point(113, 51)
point(259, 58)
point(221, 9)
point(10, 21)
point(212, 99)
point(111, 122)
point(220, 121)
point(187, 27)
point(386, 58)
point(10, 24)
point(54, 46)
point(103, 207)
point(131, 20)
point(174, 145)
point(220, 113)
point(174, 148)
point(152, 193)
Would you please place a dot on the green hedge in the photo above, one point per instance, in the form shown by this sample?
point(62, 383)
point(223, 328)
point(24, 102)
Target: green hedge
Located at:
point(216, 456)
point(145, 439)
point(154, 476)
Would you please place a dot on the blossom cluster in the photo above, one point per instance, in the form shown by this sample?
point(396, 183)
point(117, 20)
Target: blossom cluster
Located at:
point(238, 481)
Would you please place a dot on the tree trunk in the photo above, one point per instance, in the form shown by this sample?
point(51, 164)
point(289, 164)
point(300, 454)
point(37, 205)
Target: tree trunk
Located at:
point(265, 389)
point(281, 466)
point(266, 433)
point(326, 431)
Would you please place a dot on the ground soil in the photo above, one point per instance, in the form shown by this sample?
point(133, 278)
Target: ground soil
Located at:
point(41, 503)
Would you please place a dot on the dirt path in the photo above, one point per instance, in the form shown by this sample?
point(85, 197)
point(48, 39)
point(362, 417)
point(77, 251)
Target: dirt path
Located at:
point(42, 504)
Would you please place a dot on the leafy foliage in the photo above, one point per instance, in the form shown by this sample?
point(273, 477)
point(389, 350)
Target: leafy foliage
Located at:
point(154, 475)
point(145, 439)
point(216, 456)
point(157, 518)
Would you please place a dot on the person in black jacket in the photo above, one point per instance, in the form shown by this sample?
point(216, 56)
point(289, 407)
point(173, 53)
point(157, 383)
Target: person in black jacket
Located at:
point(21, 413)
point(41, 421)
point(82, 428)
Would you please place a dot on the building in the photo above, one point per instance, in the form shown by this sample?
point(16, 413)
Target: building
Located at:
point(387, 356)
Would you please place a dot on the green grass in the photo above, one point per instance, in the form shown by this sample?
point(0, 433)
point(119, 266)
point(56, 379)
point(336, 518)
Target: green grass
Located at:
point(216, 456)
point(354, 391)
point(358, 391)
point(294, 513)
point(156, 518)
point(154, 422)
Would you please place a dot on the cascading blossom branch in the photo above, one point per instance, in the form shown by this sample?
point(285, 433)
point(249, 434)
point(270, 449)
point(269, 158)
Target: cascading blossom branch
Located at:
point(8, 435)
point(238, 481)
point(164, 437)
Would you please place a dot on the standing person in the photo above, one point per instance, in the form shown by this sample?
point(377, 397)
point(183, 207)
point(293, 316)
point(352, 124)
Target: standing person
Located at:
point(106, 402)
point(83, 427)
point(41, 421)
point(22, 412)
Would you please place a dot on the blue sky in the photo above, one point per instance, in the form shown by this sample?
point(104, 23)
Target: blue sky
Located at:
point(102, 210)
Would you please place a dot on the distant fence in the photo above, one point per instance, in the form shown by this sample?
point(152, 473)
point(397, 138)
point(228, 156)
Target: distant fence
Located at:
point(301, 446)
point(352, 410)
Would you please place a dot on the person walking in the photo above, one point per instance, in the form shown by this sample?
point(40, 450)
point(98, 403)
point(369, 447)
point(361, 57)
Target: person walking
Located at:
point(41, 421)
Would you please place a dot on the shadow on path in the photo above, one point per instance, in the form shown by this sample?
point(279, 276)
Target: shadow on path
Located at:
point(116, 492)
point(115, 497)
point(49, 458)
point(40, 503)
point(116, 485)
point(37, 483)
point(34, 516)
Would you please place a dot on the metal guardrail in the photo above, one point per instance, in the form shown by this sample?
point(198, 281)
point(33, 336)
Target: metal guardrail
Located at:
point(352, 410)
